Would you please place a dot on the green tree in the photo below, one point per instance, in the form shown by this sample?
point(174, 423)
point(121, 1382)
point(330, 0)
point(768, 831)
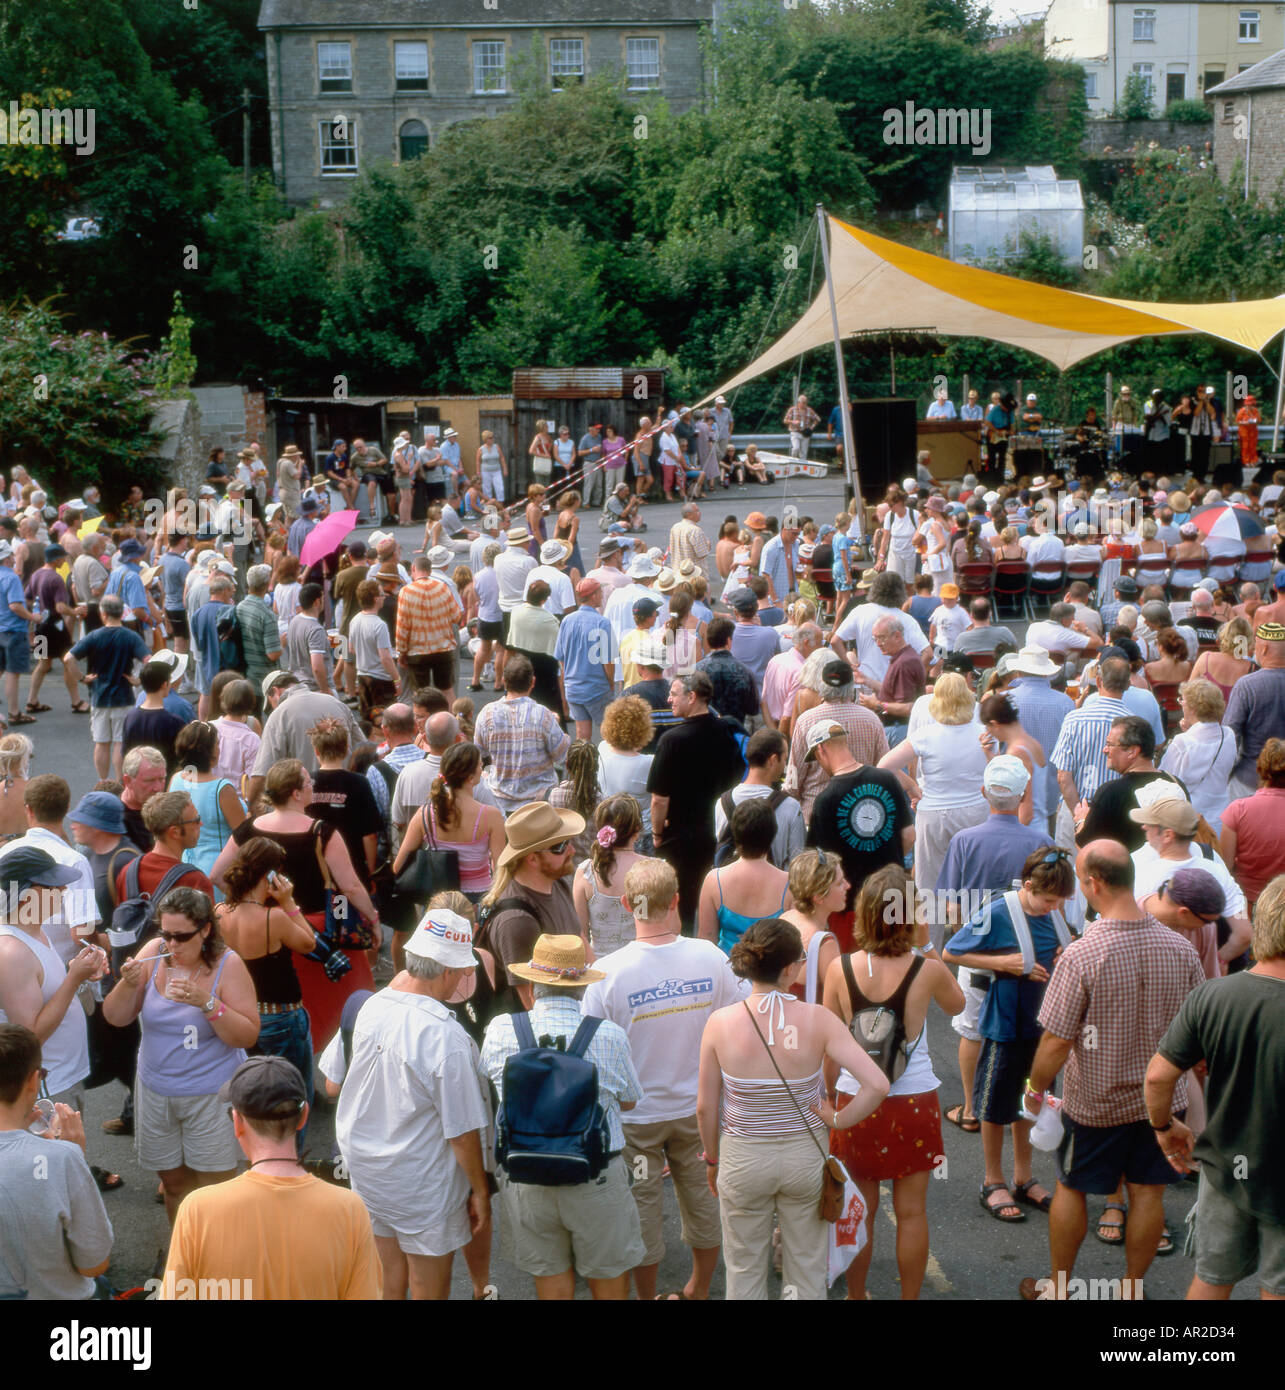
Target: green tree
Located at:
point(176, 366)
point(1136, 101)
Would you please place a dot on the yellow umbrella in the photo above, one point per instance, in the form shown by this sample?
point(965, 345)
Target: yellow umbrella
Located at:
point(87, 528)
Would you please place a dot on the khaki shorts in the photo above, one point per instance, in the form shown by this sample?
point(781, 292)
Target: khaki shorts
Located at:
point(107, 725)
point(676, 1142)
point(183, 1132)
point(1233, 1244)
point(591, 1228)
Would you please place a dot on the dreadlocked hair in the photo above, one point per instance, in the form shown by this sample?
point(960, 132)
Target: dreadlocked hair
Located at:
point(622, 814)
point(582, 772)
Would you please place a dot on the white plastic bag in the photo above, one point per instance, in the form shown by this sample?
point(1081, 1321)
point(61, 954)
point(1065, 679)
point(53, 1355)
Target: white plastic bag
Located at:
point(1046, 1131)
point(847, 1235)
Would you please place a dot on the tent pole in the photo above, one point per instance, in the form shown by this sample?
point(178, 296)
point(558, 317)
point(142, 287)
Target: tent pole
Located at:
point(1280, 403)
point(845, 409)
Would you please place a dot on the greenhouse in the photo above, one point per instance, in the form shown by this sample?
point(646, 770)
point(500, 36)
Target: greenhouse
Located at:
point(994, 210)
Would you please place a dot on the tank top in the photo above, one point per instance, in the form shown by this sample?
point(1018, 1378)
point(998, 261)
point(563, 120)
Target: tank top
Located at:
point(474, 854)
point(214, 828)
point(275, 981)
point(474, 1013)
point(491, 457)
point(166, 1064)
point(611, 925)
point(918, 1076)
point(756, 1108)
point(65, 1052)
point(733, 925)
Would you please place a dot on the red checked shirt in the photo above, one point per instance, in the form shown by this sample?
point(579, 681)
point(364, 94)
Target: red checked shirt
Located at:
point(1113, 993)
point(428, 618)
point(801, 417)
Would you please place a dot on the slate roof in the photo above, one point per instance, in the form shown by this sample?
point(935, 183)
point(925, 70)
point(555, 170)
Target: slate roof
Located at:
point(1267, 74)
point(429, 14)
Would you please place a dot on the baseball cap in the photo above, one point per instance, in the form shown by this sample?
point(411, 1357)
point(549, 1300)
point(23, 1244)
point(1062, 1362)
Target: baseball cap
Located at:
point(1171, 812)
point(1006, 775)
point(1198, 891)
point(836, 674)
point(645, 607)
point(272, 679)
point(445, 937)
point(28, 866)
point(743, 601)
point(587, 588)
point(265, 1088)
point(1126, 584)
point(819, 734)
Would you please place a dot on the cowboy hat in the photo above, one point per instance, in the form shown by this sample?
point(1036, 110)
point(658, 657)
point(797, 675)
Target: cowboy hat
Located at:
point(290, 450)
point(1034, 661)
point(559, 961)
point(667, 582)
point(537, 826)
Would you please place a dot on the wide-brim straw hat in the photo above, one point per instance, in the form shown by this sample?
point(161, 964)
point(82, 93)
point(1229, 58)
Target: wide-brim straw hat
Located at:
point(537, 826)
point(558, 961)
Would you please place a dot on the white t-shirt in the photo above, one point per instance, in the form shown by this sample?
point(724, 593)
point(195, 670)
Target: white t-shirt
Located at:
point(626, 772)
point(858, 627)
point(952, 764)
point(562, 597)
point(65, 1052)
point(414, 1084)
point(790, 830)
point(662, 996)
point(1053, 637)
point(1150, 872)
point(511, 569)
point(1077, 553)
point(950, 622)
point(368, 635)
point(901, 531)
point(919, 716)
point(1047, 549)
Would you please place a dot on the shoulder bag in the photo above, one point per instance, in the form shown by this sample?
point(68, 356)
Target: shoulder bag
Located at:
point(344, 929)
point(431, 870)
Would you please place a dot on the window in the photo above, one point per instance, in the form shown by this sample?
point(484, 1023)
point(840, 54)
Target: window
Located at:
point(566, 62)
point(412, 140)
point(642, 64)
point(334, 67)
point(1247, 27)
point(410, 65)
point(1243, 67)
point(1175, 86)
point(1091, 85)
point(1213, 76)
point(1144, 26)
point(1146, 71)
point(338, 147)
point(1229, 111)
point(488, 66)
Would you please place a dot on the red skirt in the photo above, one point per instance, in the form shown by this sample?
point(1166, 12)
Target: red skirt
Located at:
point(324, 998)
point(841, 923)
point(902, 1138)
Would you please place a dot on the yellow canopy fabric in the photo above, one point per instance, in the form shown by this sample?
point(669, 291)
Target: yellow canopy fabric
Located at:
point(88, 527)
point(881, 285)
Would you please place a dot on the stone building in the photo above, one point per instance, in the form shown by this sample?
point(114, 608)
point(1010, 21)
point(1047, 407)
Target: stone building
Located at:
point(1249, 126)
point(354, 82)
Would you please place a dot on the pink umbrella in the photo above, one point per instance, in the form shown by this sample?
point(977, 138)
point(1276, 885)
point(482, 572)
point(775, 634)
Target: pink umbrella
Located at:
point(327, 536)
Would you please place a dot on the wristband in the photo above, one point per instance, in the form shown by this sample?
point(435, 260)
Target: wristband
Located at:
point(1164, 1128)
point(710, 1162)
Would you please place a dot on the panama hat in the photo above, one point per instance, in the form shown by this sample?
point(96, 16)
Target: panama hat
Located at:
point(1034, 661)
point(554, 552)
point(517, 535)
point(667, 582)
point(537, 826)
point(559, 961)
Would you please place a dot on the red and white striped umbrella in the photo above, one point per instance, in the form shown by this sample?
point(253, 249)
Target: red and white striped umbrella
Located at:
point(1227, 522)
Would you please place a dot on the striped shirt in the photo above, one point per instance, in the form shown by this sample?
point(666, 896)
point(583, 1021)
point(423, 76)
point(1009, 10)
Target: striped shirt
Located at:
point(1081, 745)
point(1041, 711)
point(761, 1108)
point(1113, 993)
point(524, 741)
point(428, 618)
point(397, 758)
point(609, 1051)
point(867, 742)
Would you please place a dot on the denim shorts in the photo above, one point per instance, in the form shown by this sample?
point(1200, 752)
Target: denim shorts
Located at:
point(593, 710)
point(290, 1036)
point(15, 652)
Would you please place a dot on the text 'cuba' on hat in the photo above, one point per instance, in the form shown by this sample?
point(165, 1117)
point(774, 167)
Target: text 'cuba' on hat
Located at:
point(445, 937)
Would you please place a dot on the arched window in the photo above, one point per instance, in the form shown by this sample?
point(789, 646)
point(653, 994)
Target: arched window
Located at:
point(412, 140)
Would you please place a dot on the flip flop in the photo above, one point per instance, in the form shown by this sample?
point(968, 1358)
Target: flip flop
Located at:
point(1166, 1243)
point(956, 1117)
point(997, 1208)
point(107, 1182)
point(1116, 1226)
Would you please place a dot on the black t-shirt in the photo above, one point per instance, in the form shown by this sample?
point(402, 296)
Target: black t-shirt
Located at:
point(695, 763)
point(860, 816)
point(1237, 1026)
point(136, 831)
point(1108, 817)
point(1204, 627)
point(302, 867)
point(344, 799)
point(822, 560)
point(157, 728)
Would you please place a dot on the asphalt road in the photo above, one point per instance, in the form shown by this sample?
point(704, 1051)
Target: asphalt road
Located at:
point(973, 1256)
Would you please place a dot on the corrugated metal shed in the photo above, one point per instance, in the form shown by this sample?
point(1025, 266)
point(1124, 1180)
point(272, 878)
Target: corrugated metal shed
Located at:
point(586, 383)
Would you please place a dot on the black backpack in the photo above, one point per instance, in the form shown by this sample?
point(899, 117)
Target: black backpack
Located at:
point(880, 1029)
point(134, 912)
point(228, 628)
point(725, 850)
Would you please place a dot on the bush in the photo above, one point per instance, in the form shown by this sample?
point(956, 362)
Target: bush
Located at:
point(1195, 112)
point(1136, 103)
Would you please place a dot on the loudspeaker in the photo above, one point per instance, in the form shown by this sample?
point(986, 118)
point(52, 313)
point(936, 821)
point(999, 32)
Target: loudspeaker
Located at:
point(884, 429)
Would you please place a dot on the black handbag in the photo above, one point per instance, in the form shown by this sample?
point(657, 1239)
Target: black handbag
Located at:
point(432, 870)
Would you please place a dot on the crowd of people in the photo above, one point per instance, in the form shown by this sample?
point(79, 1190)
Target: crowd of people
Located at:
point(747, 817)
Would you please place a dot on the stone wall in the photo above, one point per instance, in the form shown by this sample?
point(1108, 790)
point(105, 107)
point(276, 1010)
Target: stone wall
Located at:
point(180, 452)
point(231, 417)
point(1121, 136)
point(1260, 130)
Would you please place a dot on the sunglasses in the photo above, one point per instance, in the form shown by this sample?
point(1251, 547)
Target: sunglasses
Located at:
point(559, 848)
point(190, 820)
point(179, 936)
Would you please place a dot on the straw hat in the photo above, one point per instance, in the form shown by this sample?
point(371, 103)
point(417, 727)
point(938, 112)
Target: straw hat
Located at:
point(537, 826)
point(667, 582)
point(559, 961)
point(517, 535)
point(290, 451)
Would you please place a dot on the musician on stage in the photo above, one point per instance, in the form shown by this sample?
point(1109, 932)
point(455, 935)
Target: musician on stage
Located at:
point(1027, 447)
point(999, 425)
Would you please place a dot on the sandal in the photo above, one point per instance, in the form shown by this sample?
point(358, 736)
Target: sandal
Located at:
point(996, 1209)
point(82, 707)
point(1166, 1243)
point(22, 719)
point(956, 1117)
point(1116, 1226)
point(38, 708)
point(1022, 1193)
point(107, 1182)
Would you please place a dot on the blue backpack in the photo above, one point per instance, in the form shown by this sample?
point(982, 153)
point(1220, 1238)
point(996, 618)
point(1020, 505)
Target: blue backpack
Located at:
point(551, 1130)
